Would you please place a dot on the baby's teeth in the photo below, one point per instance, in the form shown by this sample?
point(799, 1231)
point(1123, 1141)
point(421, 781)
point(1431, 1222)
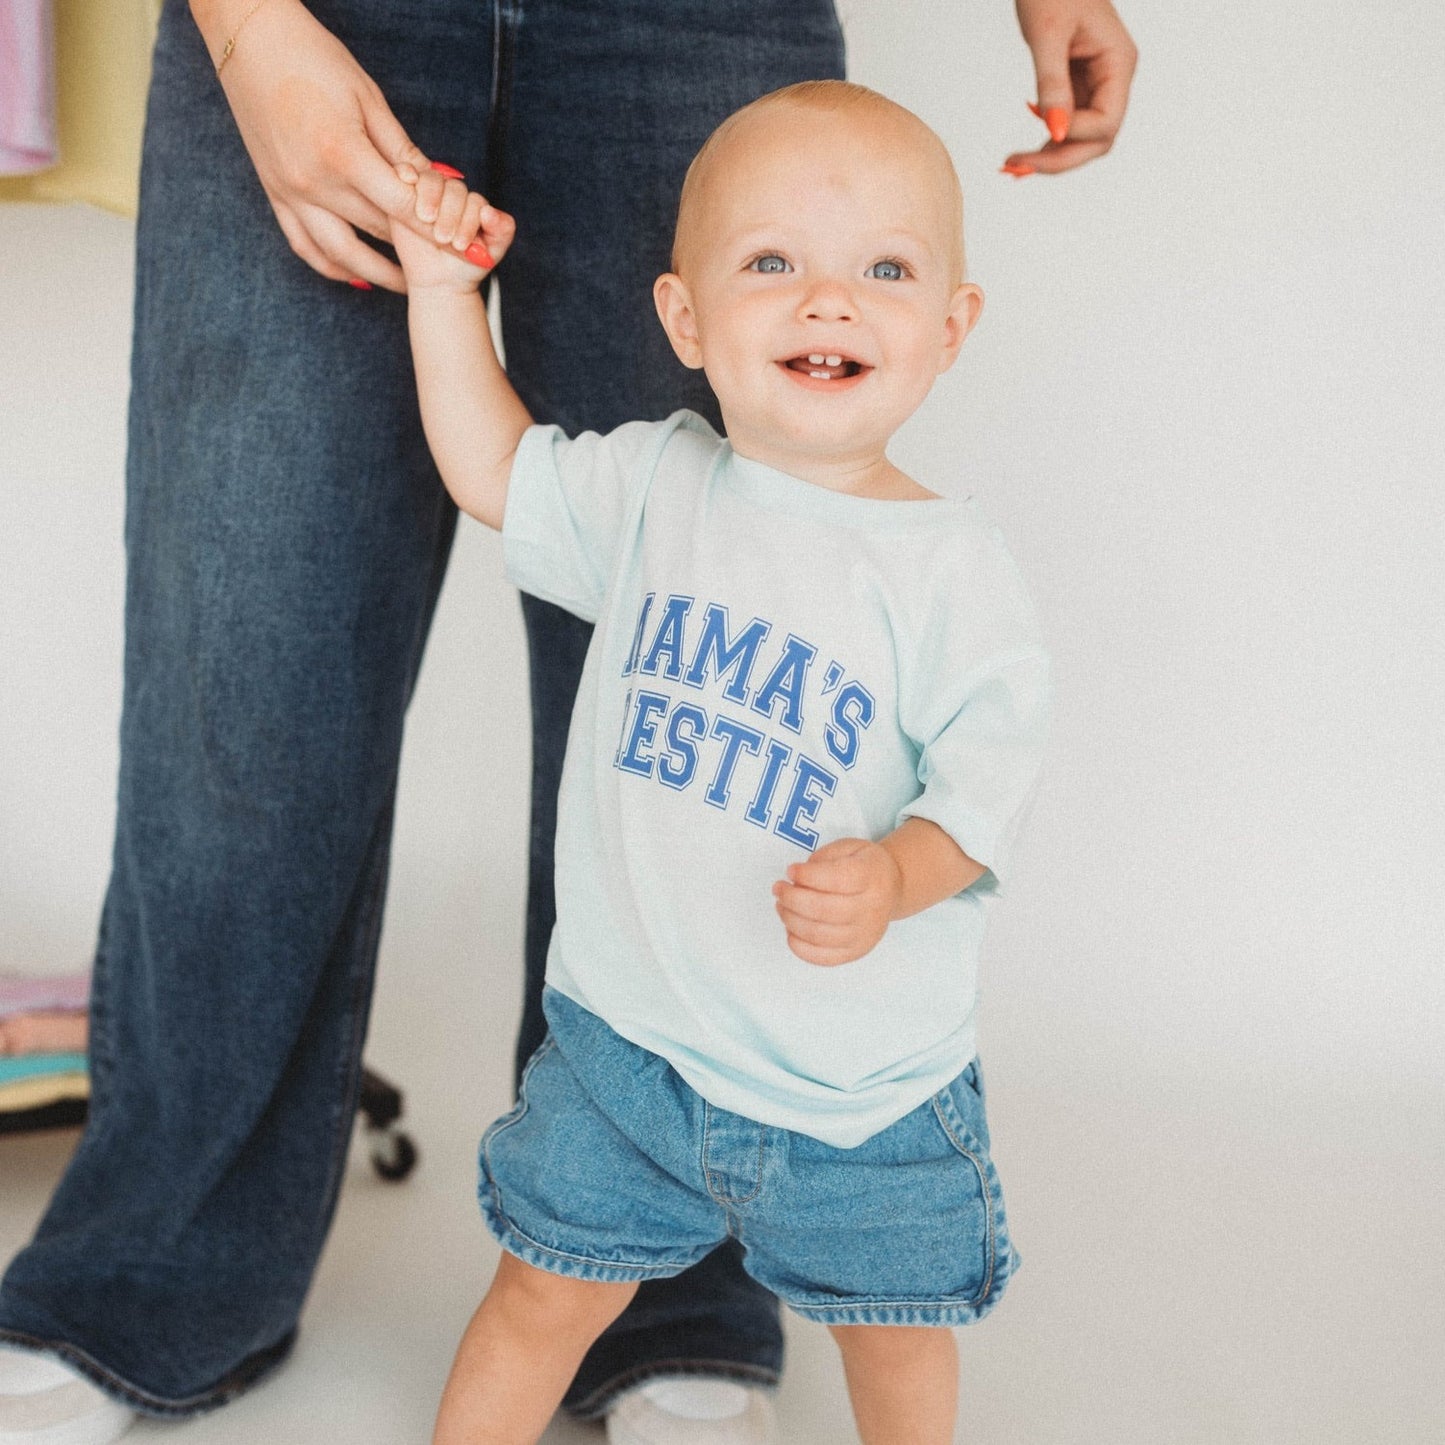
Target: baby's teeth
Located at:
point(821, 375)
point(817, 360)
point(831, 361)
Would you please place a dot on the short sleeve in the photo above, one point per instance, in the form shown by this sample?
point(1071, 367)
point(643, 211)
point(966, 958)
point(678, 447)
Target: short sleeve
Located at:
point(568, 502)
point(978, 709)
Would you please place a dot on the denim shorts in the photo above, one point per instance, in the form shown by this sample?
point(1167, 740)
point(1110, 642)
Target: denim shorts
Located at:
point(610, 1167)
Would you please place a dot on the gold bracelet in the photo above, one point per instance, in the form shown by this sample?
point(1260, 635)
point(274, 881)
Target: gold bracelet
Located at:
point(231, 43)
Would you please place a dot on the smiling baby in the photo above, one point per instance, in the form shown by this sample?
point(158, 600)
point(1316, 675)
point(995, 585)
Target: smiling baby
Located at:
point(809, 722)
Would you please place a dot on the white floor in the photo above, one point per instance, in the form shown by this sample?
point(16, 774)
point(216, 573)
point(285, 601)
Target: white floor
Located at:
point(1217, 1251)
point(1196, 1274)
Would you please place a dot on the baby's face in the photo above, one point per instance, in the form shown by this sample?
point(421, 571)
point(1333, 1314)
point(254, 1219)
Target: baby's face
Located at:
point(818, 283)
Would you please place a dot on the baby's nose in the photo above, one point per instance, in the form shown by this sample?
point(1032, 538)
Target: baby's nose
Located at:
point(828, 301)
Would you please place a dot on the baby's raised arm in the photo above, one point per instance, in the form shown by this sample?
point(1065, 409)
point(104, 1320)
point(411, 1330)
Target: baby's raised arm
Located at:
point(473, 417)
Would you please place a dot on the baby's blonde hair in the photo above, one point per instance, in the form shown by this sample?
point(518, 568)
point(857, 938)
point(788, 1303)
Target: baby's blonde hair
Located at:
point(832, 97)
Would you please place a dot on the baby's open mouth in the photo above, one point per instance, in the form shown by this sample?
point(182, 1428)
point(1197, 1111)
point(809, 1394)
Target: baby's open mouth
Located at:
point(825, 366)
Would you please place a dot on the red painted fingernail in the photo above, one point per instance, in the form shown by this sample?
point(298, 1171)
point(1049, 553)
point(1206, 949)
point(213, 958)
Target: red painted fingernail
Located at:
point(478, 255)
point(1057, 120)
point(451, 172)
point(1035, 109)
point(1017, 169)
point(360, 284)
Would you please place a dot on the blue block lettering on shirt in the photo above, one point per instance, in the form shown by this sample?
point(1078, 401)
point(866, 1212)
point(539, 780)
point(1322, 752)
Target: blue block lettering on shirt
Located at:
point(678, 764)
point(635, 651)
point(642, 733)
point(803, 803)
point(667, 641)
point(787, 681)
point(626, 720)
point(726, 653)
point(735, 738)
point(853, 711)
point(760, 811)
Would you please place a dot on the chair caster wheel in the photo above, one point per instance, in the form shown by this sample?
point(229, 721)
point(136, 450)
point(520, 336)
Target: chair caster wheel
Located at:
point(393, 1155)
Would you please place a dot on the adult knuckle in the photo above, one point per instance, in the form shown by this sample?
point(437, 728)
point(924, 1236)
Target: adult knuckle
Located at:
point(298, 173)
point(332, 154)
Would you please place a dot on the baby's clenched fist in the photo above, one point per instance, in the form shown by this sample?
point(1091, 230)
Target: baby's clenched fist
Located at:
point(838, 905)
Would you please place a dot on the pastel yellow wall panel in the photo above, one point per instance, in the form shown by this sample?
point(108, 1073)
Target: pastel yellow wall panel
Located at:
point(103, 57)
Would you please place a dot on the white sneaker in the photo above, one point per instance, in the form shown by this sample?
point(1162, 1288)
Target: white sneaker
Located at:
point(44, 1402)
point(690, 1411)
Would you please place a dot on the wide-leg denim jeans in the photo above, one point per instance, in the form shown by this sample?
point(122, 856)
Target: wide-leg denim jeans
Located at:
point(286, 537)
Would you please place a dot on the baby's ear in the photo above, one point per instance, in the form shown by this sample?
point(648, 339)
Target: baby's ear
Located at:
point(963, 312)
point(674, 309)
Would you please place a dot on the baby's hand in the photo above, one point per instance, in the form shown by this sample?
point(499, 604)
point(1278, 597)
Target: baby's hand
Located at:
point(838, 904)
point(469, 236)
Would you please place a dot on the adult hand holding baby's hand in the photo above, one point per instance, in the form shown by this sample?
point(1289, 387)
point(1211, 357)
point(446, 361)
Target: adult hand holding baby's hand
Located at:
point(838, 905)
point(324, 142)
point(466, 235)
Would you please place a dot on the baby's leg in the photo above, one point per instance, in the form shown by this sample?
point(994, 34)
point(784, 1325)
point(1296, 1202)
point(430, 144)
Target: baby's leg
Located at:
point(520, 1352)
point(902, 1380)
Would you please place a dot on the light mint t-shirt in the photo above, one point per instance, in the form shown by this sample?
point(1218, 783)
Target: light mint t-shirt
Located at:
point(774, 666)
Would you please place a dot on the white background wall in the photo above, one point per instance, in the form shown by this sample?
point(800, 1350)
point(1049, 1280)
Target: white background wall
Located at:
point(1205, 402)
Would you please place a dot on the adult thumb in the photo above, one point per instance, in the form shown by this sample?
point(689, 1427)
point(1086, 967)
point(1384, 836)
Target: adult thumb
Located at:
point(394, 146)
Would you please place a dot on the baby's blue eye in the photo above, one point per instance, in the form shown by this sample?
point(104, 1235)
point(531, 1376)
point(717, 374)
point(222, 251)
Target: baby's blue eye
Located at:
point(886, 270)
point(770, 265)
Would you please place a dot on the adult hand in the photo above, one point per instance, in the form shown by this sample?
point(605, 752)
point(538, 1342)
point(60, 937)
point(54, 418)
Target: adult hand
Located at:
point(838, 904)
point(1085, 61)
point(319, 132)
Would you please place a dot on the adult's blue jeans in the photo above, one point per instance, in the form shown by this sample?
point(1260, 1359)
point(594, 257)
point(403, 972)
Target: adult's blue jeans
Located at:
point(286, 538)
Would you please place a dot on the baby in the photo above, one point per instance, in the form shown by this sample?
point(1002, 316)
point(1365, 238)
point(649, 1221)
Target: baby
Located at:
point(810, 718)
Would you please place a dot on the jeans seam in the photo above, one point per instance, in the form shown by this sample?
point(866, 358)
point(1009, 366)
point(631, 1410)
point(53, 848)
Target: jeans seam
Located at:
point(100, 1054)
point(707, 1173)
point(370, 937)
point(987, 1194)
point(506, 21)
point(514, 1115)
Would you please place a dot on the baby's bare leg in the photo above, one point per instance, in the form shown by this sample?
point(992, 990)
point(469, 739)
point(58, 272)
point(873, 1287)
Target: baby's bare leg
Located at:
point(520, 1353)
point(903, 1382)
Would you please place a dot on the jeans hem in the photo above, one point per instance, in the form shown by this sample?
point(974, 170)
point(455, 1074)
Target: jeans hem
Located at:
point(942, 1316)
point(250, 1371)
point(596, 1405)
point(575, 1266)
point(942, 1313)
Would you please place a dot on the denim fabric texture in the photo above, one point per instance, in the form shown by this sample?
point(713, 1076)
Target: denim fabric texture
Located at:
point(286, 539)
point(610, 1167)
